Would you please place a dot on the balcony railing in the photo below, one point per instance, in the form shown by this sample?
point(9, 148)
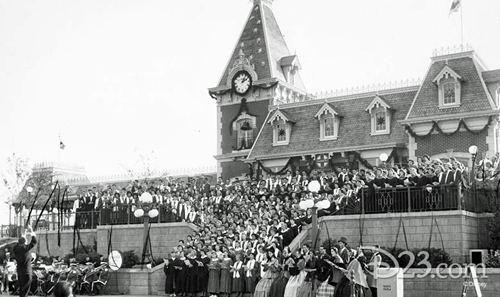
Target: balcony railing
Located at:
point(391, 200)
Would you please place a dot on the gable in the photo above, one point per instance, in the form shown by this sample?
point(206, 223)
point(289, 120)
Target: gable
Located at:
point(378, 102)
point(473, 94)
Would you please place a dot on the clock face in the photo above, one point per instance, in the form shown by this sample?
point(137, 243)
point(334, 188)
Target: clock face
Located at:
point(242, 82)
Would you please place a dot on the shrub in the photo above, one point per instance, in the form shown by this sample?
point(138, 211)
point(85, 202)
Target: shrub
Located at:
point(493, 227)
point(436, 256)
point(83, 254)
point(129, 259)
point(328, 244)
point(493, 261)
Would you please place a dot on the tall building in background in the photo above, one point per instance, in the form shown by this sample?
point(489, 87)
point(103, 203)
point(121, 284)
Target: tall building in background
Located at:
point(268, 123)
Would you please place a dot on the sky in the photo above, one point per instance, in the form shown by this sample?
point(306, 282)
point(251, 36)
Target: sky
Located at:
point(120, 81)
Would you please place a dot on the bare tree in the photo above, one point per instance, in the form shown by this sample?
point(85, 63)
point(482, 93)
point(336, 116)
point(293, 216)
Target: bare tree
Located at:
point(14, 177)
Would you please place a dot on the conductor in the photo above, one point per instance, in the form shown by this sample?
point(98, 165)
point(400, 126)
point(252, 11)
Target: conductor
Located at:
point(23, 256)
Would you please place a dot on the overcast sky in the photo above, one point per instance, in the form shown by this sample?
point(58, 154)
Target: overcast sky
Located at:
point(123, 78)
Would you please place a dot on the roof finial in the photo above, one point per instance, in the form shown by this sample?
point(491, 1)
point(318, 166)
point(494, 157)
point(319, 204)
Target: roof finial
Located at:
point(269, 2)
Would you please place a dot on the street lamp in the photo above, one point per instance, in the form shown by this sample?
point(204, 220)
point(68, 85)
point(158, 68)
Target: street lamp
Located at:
point(473, 154)
point(29, 189)
point(383, 157)
point(146, 210)
point(309, 203)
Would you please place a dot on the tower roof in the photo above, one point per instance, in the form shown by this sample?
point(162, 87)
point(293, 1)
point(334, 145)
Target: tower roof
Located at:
point(262, 43)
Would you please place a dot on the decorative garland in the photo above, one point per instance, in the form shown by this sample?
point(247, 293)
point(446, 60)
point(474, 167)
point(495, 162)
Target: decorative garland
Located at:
point(394, 154)
point(243, 108)
point(269, 171)
point(436, 127)
point(357, 157)
point(214, 94)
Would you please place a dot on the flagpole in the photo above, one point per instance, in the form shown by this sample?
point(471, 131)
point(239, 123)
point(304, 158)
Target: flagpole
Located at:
point(461, 26)
point(59, 150)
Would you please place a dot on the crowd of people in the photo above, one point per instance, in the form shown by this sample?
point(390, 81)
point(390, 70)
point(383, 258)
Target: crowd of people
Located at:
point(269, 269)
point(246, 225)
point(276, 198)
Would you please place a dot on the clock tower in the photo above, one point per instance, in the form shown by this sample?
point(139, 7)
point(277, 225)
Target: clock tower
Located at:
point(260, 71)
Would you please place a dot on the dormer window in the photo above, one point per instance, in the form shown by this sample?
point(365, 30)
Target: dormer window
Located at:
point(449, 93)
point(328, 126)
point(282, 127)
point(380, 121)
point(281, 134)
point(290, 66)
point(381, 114)
point(448, 82)
point(329, 121)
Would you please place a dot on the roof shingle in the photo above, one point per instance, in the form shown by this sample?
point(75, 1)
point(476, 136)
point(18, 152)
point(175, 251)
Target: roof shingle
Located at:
point(354, 129)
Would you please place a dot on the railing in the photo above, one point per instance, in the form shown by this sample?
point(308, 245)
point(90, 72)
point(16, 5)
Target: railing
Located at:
point(417, 199)
point(388, 200)
point(90, 219)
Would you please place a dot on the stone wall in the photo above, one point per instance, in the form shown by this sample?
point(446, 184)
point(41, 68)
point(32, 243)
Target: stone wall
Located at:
point(459, 230)
point(164, 237)
point(416, 282)
point(47, 241)
point(449, 283)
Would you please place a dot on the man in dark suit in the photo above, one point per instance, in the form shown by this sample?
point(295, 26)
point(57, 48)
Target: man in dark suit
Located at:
point(343, 253)
point(22, 253)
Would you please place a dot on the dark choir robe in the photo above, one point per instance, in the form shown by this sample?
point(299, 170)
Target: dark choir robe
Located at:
point(192, 276)
point(203, 274)
point(288, 236)
point(180, 276)
point(323, 268)
point(252, 273)
point(170, 272)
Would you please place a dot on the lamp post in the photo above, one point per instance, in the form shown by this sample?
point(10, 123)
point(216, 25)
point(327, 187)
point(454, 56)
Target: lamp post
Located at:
point(146, 210)
point(383, 157)
point(309, 203)
point(29, 190)
point(473, 154)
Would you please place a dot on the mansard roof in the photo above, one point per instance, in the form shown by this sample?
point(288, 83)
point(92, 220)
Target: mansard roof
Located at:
point(474, 96)
point(491, 76)
point(354, 130)
point(262, 43)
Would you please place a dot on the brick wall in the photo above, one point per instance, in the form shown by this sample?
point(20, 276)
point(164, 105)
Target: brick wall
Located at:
point(229, 112)
point(459, 230)
point(460, 142)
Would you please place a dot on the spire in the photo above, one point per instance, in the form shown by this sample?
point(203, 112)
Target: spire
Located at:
point(261, 46)
point(268, 2)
